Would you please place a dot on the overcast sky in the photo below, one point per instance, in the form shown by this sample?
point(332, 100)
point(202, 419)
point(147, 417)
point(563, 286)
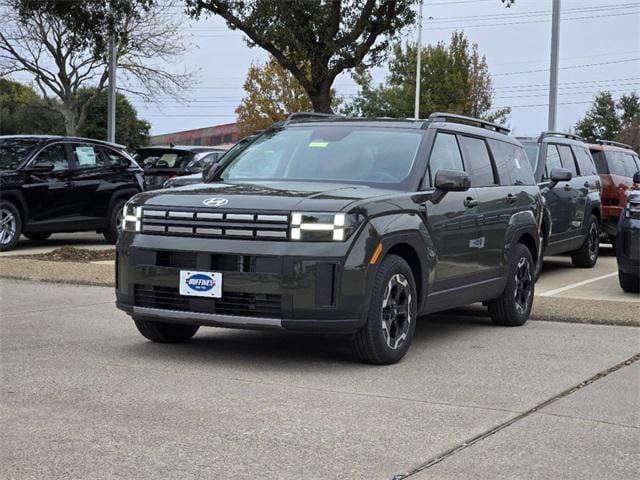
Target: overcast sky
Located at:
point(599, 49)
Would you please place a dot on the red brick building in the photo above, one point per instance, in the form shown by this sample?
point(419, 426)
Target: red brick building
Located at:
point(208, 136)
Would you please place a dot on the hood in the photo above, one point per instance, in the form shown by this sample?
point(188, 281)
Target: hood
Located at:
point(274, 196)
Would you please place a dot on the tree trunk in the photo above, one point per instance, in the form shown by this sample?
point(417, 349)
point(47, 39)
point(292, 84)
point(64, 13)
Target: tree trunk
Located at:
point(70, 120)
point(321, 99)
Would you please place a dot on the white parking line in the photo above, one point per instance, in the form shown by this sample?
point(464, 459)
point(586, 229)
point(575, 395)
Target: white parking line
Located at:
point(577, 284)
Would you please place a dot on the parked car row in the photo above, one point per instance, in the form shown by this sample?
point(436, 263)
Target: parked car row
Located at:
point(54, 184)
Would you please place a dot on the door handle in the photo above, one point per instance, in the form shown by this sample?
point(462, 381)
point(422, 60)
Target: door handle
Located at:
point(470, 202)
point(567, 187)
point(511, 198)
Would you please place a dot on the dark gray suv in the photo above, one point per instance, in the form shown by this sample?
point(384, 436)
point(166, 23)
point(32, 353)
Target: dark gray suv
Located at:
point(569, 181)
point(343, 225)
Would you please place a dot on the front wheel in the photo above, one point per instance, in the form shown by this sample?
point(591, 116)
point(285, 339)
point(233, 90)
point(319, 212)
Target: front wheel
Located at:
point(165, 332)
point(10, 226)
point(629, 282)
point(391, 321)
point(513, 307)
point(587, 255)
point(114, 222)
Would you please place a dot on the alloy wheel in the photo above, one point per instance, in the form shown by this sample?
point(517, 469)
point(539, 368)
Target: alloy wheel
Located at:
point(7, 226)
point(524, 282)
point(396, 311)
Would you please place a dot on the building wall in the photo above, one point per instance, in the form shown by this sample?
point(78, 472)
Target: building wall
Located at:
point(209, 136)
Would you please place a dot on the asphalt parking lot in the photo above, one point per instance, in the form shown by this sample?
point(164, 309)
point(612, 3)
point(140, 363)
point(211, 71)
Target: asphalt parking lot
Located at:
point(85, 396)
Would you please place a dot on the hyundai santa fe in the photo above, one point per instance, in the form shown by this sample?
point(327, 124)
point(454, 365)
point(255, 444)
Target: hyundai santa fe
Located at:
point(340, 225)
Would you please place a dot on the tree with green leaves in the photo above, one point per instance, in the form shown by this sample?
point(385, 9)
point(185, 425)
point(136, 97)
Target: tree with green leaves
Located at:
point(63, 61)
point(454, 78)
point(611, 120)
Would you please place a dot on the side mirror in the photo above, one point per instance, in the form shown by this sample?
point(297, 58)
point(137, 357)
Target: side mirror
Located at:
point(559, 175)
point(452, 181)
point(41, 166)
point(636, 178)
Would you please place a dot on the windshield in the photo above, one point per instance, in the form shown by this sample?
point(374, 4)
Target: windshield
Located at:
point(14, 151)
point(531, 149)
point(330, 153)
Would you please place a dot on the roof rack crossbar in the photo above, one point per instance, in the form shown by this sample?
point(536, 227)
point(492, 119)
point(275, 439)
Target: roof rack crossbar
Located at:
point(561, 134)
point(308, 116)
point(443, 117)
point(614, 144)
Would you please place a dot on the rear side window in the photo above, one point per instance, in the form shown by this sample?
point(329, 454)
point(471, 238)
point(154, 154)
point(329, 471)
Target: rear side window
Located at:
point(445, 155)
point(585, 162)
point(630, 164)
point(601, 162)
point(115, 158)
point(512, 164)
point(616, 163)
point(553, 161)
point(567, 158)
point(88, 156)
point(477, 161)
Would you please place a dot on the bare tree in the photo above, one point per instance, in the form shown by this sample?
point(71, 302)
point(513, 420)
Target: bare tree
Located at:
point(41, 46)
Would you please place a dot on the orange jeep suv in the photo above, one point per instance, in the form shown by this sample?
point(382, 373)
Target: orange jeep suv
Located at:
point(616, 163)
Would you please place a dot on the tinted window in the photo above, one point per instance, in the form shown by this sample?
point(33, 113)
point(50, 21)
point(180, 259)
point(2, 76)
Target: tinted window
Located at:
point(477, 161)
point(601, 161)
point(114, 158)
point(532, 149)
point(56, 155)
point(512, 164)
point(88, 156)
point(616, 163)
point(630, 165)
point(585, 162)
point(445, 155)
point(340, 153)
point(158, 158)
point(552, 161)
point(567, 159)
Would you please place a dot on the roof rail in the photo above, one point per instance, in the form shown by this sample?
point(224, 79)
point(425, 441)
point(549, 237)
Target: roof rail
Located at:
point(614, 144)
point(444, 117)
point(308, 116)
point(561, 134)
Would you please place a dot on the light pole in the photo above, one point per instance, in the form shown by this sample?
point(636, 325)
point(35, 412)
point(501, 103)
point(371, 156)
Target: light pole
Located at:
point(111, 103)
point(416, 108)
point(553, 74)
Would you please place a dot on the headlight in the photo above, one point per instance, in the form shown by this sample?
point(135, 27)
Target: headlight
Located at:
point(322, 227)
point(131, 218)
point(633, 210)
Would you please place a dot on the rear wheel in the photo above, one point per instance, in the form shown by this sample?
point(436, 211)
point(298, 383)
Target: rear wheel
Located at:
point(165, 332)
point(114, 222)
point(587, 255)
point(10, 226)
point(513, 307)
point(391, 321)
point(37, 236)
point(629, 282)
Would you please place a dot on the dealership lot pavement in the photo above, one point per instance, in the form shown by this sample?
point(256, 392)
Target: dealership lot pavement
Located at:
point(85, 396)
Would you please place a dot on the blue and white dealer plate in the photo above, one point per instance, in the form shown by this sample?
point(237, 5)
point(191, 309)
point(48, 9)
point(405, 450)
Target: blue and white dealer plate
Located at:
point(201, 284)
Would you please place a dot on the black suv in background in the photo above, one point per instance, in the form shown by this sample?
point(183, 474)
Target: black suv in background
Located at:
point(63, 184)
point(163, 163)
point(628, 240)
point(567, 176)
point(334, 224)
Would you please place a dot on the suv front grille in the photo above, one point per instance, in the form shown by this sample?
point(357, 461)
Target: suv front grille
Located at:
point(210, 223)
point(244, 304)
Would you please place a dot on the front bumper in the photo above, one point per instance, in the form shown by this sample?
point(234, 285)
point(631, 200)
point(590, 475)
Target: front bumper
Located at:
point(302, 286)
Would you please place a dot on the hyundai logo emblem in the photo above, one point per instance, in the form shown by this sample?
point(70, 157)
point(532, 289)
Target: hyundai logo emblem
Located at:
point(215, 202)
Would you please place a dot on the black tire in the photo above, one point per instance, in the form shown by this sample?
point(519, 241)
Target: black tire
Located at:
point(587, 255)
point(165, 332)
point(114, 222)
point(10, 226)
point(513, 307)
point(37, 236)
point(394, 280)
point(629, 282)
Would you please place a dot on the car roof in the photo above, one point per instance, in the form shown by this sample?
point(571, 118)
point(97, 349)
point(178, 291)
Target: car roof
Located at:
point(599, 147)
point(554, 137)
point(49, 138)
